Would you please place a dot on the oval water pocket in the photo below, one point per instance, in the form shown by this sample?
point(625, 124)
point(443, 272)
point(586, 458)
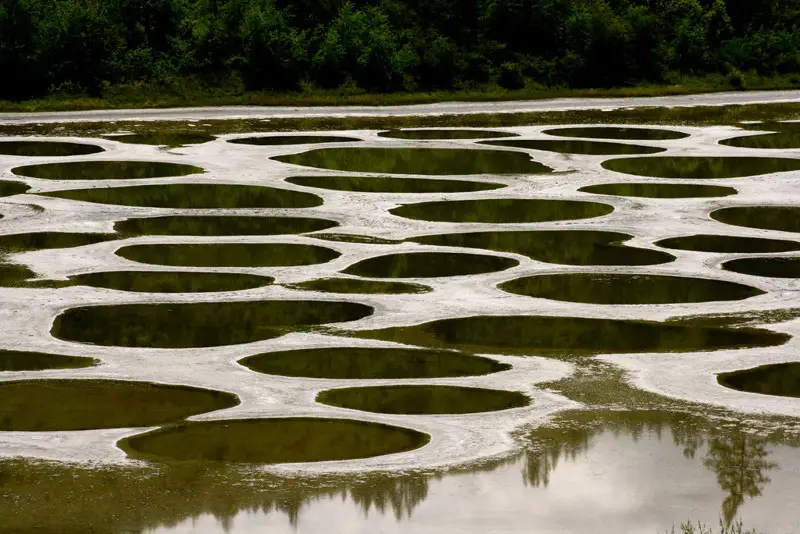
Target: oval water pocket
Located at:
point(272, 441)
point(502, 210)
point(85, 404)
point(171, 281)
point(445, 134)
point(9, 188)
point(406, 399)
point(229, 254)
point(782, 218)
point(433, 161)
point(617, 132)
point(767, 267)
point(701, 167)
point(590, 148)
point(376, 184)
point(12, 360)
point(193, 196)
point(47, 148)
point(201, 324)
point(596, 288)
point(280, 140)
point(354, 285)
point(221, 225)
point(429, 265)
point(728, 244)
point(781, 379)
point(371, 363)
point(646, 190)
point(106, 170)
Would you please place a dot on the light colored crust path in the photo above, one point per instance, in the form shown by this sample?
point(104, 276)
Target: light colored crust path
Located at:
point(439, 109)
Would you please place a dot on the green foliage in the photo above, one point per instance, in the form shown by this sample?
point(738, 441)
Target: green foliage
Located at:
point(112, 47)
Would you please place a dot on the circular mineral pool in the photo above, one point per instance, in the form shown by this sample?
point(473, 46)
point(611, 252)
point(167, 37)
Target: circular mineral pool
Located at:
point(650, 190)
point(445, 134)
point(47, 148)
point(171, 281)
point(279, 140)
point(768, 267)
point(271, 441)
point(571, 146)
point(782, 218)
point(598, 288)
point(701, 167)
point(728, 244)
point(229, 254)
point(615, 132)
point(198, 324)
point(193, 196)
point(781, 379)
point(371, 363)
point(423, 161)
point(502, 210)
point(221, 225)
point(429, 265)
point(106, 170)
point(85, 404)
point(423, 399)
point(375, 184)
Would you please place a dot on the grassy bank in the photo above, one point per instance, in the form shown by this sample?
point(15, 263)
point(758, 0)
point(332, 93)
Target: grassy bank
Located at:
point(186, 93)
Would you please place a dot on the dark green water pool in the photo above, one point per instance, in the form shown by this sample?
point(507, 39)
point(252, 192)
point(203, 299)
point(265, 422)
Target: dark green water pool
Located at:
point(568, 247)
point(615, 132)
point(12, 360)
point(270, 441)
point(204, 324)
point(277, 140)
point(701, 167)
point(431, 161)
point(781, 379)
point(728, 244)
point(47, 148)
point(78, 404)
point(591, 148)
point(168, 139)
point(375, 184)
point(193, 196)
point(775, 141)
point(171, 281)
point(106, 170)
point(769, 267)
point(353, 285)
point(9, 188)
point(429, 265)
point(228, 254)
point(502, 210)
point(555, 336)
point(783, 218)
point(12, 243)
point(407, 399)
point(660, 190)
point(434, 134)
point(598, 288)
point(371, 363)
point(217, 225)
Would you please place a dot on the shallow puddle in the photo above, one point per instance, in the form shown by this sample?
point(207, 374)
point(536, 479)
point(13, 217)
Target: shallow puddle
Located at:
point(278, 140)
point(75, 404)
point(701, 167)
point(781, 379)
point(783, 218)
point(12, 243)
point(202, 324)
point(567, 247)
point(270, 441)
point(502, 210)
point(46, 148)
point(106, 170)
point(768, 267)
point(171, 281)
point(11, 360)
point(660, 190)
point(775, 141)
point(434, 134)
point(556, 336)
point(432, 161)
point(430, 400)
point(429, 265)
point(614, 132)
point(216, 225)
point(371, 363)
point(728, 244)
point(627, 288)
point(229, 254)
point(168, 139)
point(9, 188)
point(193, 196)
point(591, 148)
point(693, 467)
point(373, 184)
point(352, 285)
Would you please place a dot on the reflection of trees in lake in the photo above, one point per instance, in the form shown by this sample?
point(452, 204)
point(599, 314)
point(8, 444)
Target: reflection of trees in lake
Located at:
point(738, 459)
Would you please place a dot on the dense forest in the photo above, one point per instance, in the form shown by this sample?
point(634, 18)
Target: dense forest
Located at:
point(91, 46)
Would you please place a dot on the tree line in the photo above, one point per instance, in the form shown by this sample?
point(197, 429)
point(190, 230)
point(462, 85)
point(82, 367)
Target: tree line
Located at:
point(87, 46)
